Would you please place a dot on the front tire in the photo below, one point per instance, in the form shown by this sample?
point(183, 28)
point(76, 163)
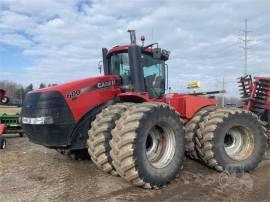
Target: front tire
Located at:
point(100, 136)
point(148, 145)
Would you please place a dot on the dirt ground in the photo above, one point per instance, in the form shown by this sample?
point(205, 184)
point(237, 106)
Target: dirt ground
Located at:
point(30, 172)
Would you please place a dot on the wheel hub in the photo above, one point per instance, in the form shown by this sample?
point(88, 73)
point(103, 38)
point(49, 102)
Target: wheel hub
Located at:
point(160, 145)
point(239, 143)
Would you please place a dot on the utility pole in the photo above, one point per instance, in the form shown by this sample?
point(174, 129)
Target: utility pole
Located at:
point(223, 95)
point(216, 82)
point(245, 47)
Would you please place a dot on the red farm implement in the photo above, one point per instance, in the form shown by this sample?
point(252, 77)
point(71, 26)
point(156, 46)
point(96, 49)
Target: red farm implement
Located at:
point(255, 94)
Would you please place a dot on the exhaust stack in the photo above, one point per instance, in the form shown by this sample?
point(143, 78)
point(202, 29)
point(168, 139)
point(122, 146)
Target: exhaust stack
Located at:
point(132, 37)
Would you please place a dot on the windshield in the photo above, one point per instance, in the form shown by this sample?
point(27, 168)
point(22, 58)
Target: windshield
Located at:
point(153, 70)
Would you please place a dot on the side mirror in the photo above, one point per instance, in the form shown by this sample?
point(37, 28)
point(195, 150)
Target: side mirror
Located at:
point(157, 53)
point(100, 65)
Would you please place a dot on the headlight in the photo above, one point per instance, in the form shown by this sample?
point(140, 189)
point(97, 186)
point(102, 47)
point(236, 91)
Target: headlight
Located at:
point(38, 121)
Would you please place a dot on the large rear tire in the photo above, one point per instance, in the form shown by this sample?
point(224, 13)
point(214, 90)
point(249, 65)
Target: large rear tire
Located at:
point(100, 136)
point(148, 145)
point(233, 140)
point(191, 128)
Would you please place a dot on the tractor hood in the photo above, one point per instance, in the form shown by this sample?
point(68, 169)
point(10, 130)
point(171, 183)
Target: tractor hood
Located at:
point(50, 115)
point(81, 95)
point(93, 82)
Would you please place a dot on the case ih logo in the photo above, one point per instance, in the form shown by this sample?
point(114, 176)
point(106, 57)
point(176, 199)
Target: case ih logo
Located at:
point(101, 85)
point(106, 84)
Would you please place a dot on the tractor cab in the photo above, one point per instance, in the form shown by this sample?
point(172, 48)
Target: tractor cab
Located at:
point(141, 68)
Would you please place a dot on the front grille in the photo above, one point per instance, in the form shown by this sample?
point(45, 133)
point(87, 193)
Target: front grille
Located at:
point(47, 104)
point(52, 104)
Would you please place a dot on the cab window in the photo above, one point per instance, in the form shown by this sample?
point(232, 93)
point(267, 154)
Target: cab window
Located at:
point(119, 64)
point(154, 75)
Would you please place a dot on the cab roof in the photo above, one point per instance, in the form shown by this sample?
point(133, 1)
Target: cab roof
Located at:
point(124, 48)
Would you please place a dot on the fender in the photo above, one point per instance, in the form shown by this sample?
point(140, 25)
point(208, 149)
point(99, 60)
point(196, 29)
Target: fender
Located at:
point(188, 105)
point(84, 95)
point(79, 135)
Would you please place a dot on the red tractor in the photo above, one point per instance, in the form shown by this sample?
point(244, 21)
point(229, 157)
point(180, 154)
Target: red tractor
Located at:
point(3, 98)
point(131, 128)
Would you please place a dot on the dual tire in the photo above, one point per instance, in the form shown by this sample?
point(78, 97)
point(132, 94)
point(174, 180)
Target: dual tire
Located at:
point(100, 135)
point(144, 143)
point(191, 128)
point(230, 140)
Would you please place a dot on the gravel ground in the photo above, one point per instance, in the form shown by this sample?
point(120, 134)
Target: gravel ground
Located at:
point(30, 172)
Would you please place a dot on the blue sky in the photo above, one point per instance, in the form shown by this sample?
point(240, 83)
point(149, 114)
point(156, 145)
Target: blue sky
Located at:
point(55, 41)
point(12, 58)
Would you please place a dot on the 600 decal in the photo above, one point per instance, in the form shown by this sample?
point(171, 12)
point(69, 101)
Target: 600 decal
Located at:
point(73, 94)
point(100, 85)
